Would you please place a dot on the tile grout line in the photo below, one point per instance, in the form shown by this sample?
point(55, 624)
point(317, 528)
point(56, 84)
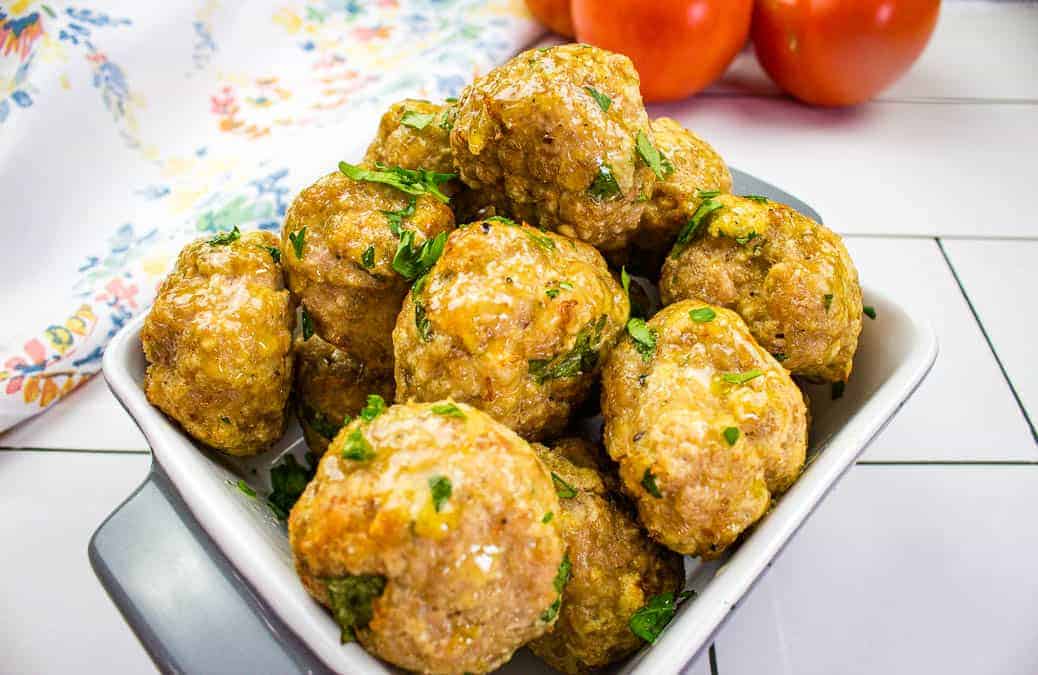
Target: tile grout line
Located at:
point(77, 451)
point(954, 237)
point(947, 462)
point(987, 338)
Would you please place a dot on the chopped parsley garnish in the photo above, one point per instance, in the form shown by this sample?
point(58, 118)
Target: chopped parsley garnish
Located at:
point(298, 239)
point(447, 118)
point(551, 292)
point(827, 300)
point(780, 357)
point(741, 378)
point(731, 434)
point(225, 419)
point(448, 410)
point(649, 483)
point(581, 359)
point(744, 239)
point(245, 488)
point(368, 257)
point(547, 517)
point(561, 579)
point(644, 337)
point(357, 448)
point(224, 238)
point(499, 219)
point(416, 120)
point(562, 285)
point(288, 479)
point(837, 390)
point(708, 194)
point(351, 598)
point(870, 311)
point(375, 406)
point(702, 314)
point(411, 181)
point(412, 262)
point(756, 198)
point(308, 325)
point(421, 321)
point(604, 186)
point(698, 218)
point(275, 253)
point(601, 99)
point(651, 156)
point(396, 218)
point(318, 421)
point(451, 99)
point(441, 489)
point(539, 239)
point(563, 489)
point(625, 281)
point(649, 621)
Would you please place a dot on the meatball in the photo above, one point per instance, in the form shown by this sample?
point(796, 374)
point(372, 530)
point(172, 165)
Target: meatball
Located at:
point(218, 342)
point(424, 532)
point(694, 168)
point(512, 320)
point(615, 567)
point(790, 278)
point(705, 424)
point(550, 137)
point(332, 386)
point(414, 134)
point(340, 238)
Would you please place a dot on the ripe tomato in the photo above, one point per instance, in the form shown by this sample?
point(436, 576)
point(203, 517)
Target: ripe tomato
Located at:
point(554, 14)
point(835, 52)
point(678, 46)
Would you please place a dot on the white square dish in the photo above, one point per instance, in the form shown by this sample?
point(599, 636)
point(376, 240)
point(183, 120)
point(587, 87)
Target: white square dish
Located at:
point(896, 351)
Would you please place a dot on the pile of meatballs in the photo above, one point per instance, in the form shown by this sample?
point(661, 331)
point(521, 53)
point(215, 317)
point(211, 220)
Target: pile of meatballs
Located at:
point(473, 268)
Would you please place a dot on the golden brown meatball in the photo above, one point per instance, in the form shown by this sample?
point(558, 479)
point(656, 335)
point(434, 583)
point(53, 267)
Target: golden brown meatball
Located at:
point(414, 134)
point(705, 424)
point(550, 136)
point(339, 239)
point(512, 320)
point(424, 532)
point(218, 342)
point(694, 168)
point(332, 386)
point(615, 567)
point(790, 278)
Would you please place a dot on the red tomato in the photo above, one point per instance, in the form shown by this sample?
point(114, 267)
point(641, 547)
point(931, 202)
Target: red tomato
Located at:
point(678, 46)
point(554, 14)
point(840, 52)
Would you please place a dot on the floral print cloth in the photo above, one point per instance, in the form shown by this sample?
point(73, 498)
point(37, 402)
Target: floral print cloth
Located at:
point(128, 128)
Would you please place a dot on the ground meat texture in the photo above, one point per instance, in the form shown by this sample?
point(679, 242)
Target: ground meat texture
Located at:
point(438, 523)
point(615, 568)
point(706, 427)
point(332, 386)
point(343, 272)
point(413, 134)
point(513, 320)
point(789, 277)
point(218, 343)
point(550, 138)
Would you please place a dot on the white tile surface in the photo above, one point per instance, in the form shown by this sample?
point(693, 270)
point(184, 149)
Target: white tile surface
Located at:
point(56, 617)
point(906, 570)
point(979, 50)
point(883, 168)
point(88, 419)
point(999, 277)
point(940, 422)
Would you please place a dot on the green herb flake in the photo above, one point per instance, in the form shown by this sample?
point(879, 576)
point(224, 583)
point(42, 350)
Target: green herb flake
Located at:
point(410, 181)
point(245, 488)
point(780, 357)
point(552, 292)
point(375, 406)
point(625, 281)
point(744, 239)
point(698, 218)
point(837, 390)
point(275, 253)
point(604, 186)
point(416, 120)
point(650, 155)
point(308, 325)
point(412, 262)
point(368, 257)
point(225, 238)
point(225, 419)
point(582, 358)
point(539, 239)
point(708, 194)
point(421, 322)
point(644, 338)
point(741, 378)
point(702, 314)
point(396, 218)
point(649, 483)
point(547, 517)
point(650, 620)
point(288, 479)
point(563, 489)
point(446, 121)
point(731, 434)
point(756, 198)
point(827, 300)
point(298, 239)
point(562, 576)
point(356, 447)
point(318, 421)
point(448, 410)
point(601, 99)
point(351, 598)
point(499, 219)
point(869, 311)
point(451, 99)
point(441, 489)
